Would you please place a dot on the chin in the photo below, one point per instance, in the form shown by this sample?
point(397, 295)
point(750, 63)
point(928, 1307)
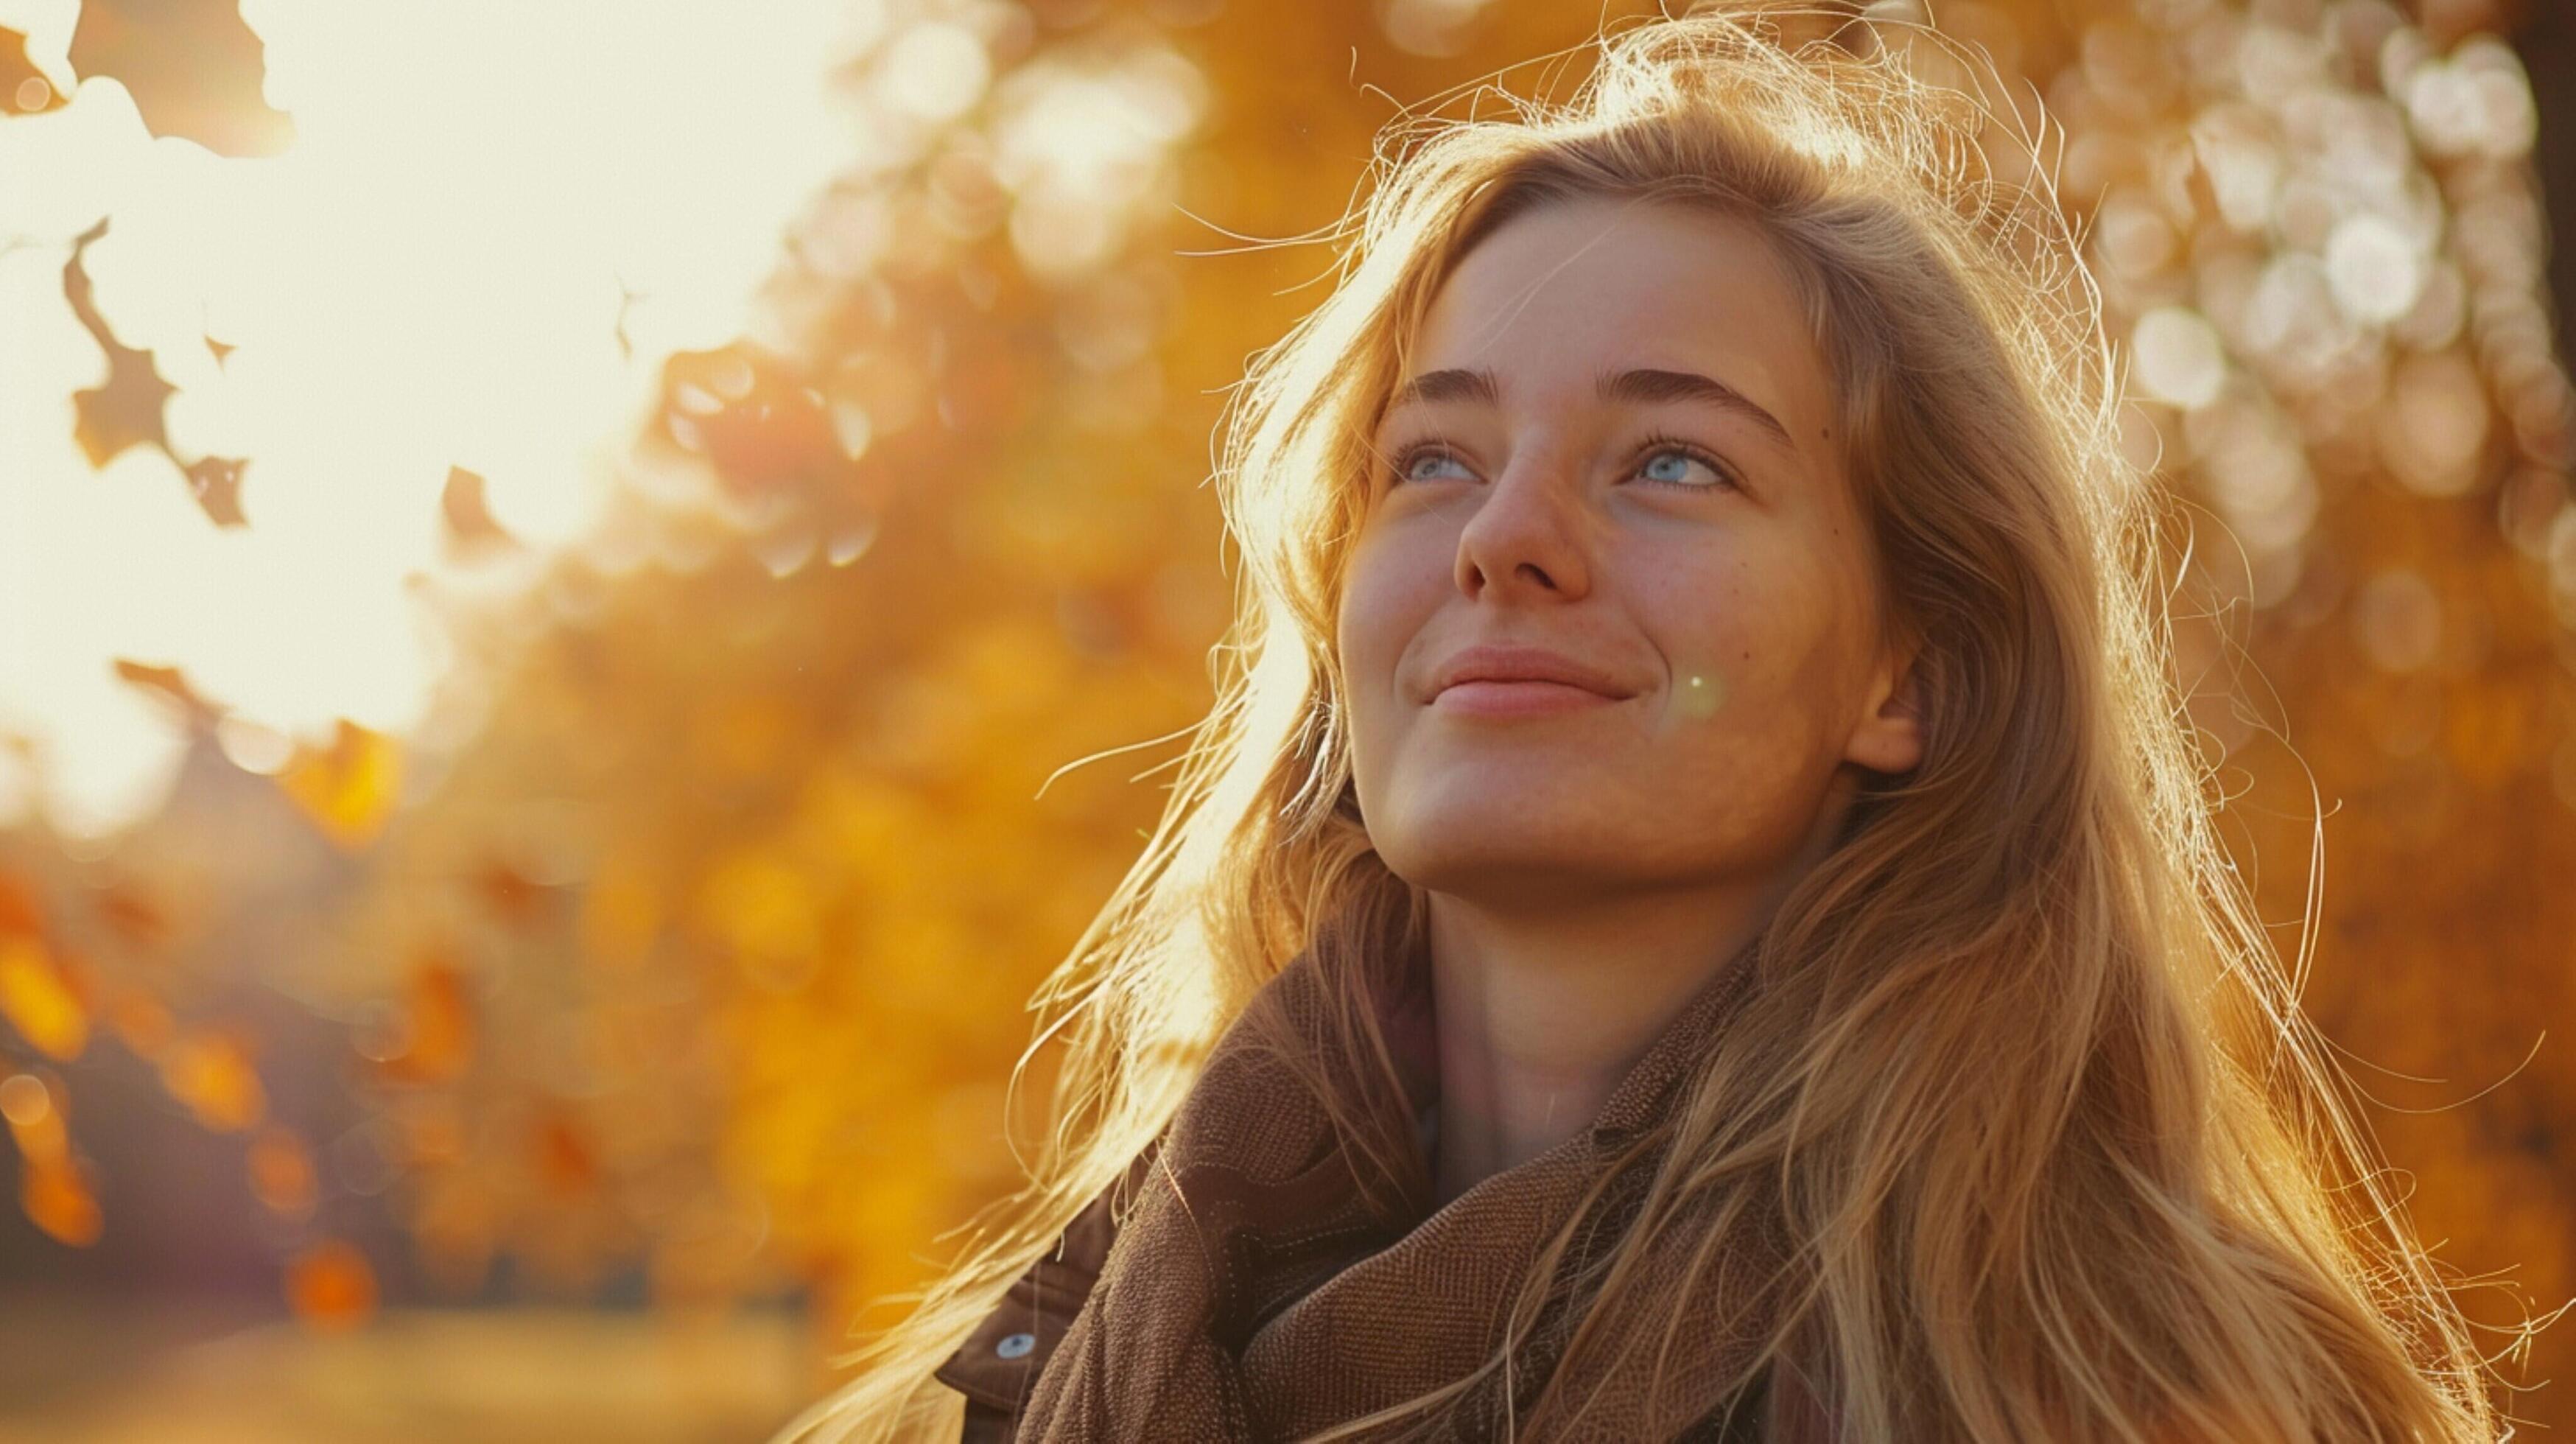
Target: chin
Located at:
point(1493, 851)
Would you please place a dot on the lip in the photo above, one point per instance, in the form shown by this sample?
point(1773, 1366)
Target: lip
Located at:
point(1516, 699)
point(1521, 679)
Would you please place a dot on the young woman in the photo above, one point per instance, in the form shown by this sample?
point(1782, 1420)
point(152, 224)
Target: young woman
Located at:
point(1694, 916)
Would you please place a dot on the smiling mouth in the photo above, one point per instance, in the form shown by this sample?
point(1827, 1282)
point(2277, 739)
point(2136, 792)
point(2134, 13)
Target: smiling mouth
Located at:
point(1518, 697)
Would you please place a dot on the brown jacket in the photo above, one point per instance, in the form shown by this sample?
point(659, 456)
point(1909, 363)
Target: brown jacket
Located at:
point(1256, 1297)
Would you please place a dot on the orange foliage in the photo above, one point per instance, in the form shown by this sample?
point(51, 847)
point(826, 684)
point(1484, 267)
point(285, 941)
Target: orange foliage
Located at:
point(331, 1286)
point(58, 1199)
point(211, 1073)
point(565, 1161)
point(786, 719)
point(281, 1172)
point(437, 1038)
point(349, 788)
point(19, 914)
point(39, 999)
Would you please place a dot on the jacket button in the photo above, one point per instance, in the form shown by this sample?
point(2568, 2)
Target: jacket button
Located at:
point(1015, 1345)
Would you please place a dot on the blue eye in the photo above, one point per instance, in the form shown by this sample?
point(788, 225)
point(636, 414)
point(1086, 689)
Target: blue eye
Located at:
point(1667, 462)
point(1410, 467)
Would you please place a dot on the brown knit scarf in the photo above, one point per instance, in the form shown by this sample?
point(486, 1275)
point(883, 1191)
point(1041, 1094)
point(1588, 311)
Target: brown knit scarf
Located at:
point(1253, 1293)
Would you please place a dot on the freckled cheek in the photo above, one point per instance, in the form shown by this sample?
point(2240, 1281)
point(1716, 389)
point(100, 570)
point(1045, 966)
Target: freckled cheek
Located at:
point(1749, 679)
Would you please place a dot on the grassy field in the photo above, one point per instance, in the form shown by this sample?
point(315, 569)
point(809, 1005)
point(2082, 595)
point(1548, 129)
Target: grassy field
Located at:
point(82, 1372)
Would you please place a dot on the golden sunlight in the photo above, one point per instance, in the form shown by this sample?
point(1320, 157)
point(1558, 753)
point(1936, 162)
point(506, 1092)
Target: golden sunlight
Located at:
point(490, 226)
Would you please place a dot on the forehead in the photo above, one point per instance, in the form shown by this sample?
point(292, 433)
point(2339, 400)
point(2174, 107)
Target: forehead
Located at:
point(1558, 294)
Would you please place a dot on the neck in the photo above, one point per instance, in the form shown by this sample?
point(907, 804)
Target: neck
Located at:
point(1539, 1018)
point(1540, 1011)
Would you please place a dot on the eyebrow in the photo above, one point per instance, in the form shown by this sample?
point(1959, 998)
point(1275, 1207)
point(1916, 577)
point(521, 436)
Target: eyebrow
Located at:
point(1639, 386)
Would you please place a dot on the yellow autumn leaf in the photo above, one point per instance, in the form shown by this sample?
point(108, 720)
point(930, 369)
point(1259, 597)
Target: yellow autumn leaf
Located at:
point(39, 1002)
point(58, 1198)
point(349, 788)
point(212, 1074)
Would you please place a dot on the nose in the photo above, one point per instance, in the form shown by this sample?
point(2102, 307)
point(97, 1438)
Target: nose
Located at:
point(1526, 535)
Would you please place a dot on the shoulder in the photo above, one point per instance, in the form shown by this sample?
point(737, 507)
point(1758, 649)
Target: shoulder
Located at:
point(999, 1362)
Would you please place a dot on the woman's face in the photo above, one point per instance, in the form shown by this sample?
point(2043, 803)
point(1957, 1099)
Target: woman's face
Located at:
point(1615, 445)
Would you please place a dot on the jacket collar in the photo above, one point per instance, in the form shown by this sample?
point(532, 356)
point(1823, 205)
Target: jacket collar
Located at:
point(1308, 1276)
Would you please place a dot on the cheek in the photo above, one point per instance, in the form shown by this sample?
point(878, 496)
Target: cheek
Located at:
point(1369, 640)
point(1384, 599)
point(1756, 662)
point(1360, 630)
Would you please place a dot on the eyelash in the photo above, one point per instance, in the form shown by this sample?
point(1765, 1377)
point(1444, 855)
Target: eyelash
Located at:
point(1653, 446)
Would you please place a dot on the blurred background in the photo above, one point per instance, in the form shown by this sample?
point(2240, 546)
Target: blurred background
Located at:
point(551, 556)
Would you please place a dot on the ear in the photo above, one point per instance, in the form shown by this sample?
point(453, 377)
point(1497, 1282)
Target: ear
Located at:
point(1890, 735)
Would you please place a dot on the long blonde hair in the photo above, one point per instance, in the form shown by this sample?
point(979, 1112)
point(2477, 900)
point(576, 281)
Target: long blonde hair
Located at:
point(2023, 1075)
